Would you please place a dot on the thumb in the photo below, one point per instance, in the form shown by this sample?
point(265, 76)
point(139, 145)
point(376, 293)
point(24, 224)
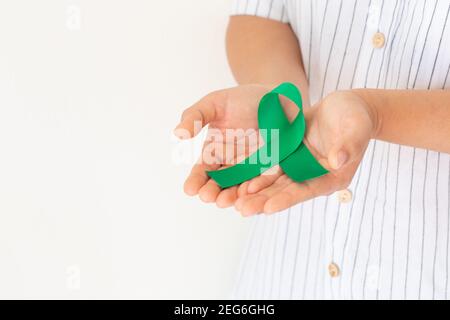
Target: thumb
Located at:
point(348, 148)
point(338, 157)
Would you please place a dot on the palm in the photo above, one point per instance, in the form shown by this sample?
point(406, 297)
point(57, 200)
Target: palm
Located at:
point(238, 108)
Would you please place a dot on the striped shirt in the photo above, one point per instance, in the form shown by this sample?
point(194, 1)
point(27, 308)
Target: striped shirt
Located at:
point(391, 241)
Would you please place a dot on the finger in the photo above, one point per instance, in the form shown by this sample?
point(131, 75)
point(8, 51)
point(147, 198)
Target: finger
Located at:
point(227, 197)
point(295, 193)
point(278, 179)
point(286, 198)
point(254, 205)
point(348, 148)
point(268, 192)
point(265, 180)
point(199, 115)
point(239, 204)
point(221, 152)
point(243, 189)
point(338, 157)
point(198, 178)
point(277, 203)
point(209, 192)
point(323, 160)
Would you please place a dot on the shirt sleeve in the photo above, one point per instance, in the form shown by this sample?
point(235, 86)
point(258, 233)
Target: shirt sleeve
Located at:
point(270, 9)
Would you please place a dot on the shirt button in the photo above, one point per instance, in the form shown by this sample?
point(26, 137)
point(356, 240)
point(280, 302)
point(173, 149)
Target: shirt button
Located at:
point(345, 196)
point(378, 40)
point(333, 270)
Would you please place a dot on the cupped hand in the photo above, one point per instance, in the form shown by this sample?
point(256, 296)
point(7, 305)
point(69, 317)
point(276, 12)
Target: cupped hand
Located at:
point(339, 129)
point(232, 116)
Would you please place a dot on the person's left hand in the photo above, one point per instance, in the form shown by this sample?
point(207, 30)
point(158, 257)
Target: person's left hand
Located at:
point(339, 129)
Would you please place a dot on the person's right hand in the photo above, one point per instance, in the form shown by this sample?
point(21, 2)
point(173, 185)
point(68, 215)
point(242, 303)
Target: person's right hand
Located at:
point(235, 108)
point(338, 132)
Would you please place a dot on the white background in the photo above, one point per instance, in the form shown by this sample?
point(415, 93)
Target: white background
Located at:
point(91, 202)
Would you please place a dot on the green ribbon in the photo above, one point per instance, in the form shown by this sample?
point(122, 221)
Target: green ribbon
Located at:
point(293, 156)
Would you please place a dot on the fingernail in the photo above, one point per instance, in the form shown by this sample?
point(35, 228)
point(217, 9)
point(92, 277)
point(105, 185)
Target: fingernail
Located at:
point(176, 132)
point(252, 188)
point(342, 158)
point(181, 133)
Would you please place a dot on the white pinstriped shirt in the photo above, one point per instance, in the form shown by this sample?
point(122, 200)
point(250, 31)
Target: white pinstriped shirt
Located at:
point(392, 240)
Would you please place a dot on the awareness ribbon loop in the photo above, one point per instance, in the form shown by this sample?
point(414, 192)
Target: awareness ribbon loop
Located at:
point(293, 156)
